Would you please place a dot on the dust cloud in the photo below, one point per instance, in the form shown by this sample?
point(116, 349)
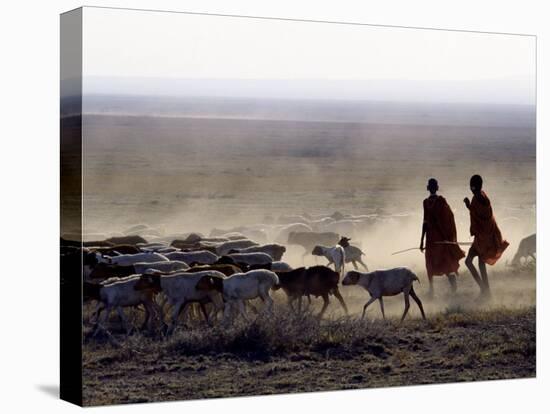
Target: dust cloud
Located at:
point(182, 174)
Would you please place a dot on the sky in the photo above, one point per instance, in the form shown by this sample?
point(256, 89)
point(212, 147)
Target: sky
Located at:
point(159, 53)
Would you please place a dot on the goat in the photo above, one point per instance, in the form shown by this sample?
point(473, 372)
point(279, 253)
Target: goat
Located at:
point(181, 288)
point(159, 248)
point(382, 283)
point(118, 250)
point(251, 258)
point(90, 291)
point(285, 231)
point(276, 251)
point(353, 253)
point(234, 236)
point(280, 267)
point(527, 248)
point(104, 271)
point(150, 246)
point(93, 243)
point(243, 266)
point(199, 256)
point(240, 287)
point(225, 247)
point(316, 281)
point(74, 258)
point(335, 255)
point(226, 269)
point(166, 267)
point(121, 293)
point(195, 243)
point(308, 240)
point(130, 259)
point(133, 240)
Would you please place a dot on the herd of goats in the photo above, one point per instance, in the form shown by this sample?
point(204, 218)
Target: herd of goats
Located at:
point(221, 274)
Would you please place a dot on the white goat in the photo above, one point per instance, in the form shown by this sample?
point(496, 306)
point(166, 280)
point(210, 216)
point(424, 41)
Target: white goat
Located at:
point(353, 253)
point(118, 293)
point(389, 282)
point(130, 259)
point(166, 267)
point(335, 254)
point(181, 288)
point(240, 287)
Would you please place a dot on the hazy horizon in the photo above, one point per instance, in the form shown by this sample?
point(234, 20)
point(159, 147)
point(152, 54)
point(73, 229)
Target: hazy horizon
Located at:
point(481, 91)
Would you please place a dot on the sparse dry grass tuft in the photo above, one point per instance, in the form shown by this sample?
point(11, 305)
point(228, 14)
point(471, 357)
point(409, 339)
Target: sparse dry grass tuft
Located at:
point(283, 352)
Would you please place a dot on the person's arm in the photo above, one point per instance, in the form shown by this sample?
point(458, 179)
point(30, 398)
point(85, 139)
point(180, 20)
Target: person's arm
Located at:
point(467, 202)
point(422, 237)
point(424, 225)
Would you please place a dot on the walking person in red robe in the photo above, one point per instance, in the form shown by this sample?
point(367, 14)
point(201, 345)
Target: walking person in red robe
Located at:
point(488, 243)
point(439, 226)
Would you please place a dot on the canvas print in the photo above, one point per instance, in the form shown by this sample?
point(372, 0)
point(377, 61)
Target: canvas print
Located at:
point(258, 206)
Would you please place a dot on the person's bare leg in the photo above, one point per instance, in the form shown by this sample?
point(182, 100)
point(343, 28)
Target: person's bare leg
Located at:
point(485, 279)
point(431, 291)
point(452, 281)
point(470, 265)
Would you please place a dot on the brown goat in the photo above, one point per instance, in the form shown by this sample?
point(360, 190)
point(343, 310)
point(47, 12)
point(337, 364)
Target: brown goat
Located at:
point(316, 281)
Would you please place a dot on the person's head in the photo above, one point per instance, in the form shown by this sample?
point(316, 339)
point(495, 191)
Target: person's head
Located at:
point(432, 186)
point(476, 183)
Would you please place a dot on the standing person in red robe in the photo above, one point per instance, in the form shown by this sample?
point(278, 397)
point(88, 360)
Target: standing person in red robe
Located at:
point(488, 243)
point(439, 226)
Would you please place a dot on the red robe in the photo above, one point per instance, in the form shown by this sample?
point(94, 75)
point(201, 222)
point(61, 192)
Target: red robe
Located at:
point(488, 241)
point(440, 225)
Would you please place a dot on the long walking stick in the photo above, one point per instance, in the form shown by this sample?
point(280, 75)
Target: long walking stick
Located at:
point(406, 250)
point(454, 243)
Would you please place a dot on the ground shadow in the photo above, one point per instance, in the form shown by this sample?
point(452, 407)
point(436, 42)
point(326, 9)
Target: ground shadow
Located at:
point(49, 389)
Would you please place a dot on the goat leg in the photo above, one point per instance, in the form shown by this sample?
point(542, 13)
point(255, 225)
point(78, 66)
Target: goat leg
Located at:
point(381, 300)
point(340, 299)
point(418, 302)
point(407, 305)
point(371, 300)
point(325, 305)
